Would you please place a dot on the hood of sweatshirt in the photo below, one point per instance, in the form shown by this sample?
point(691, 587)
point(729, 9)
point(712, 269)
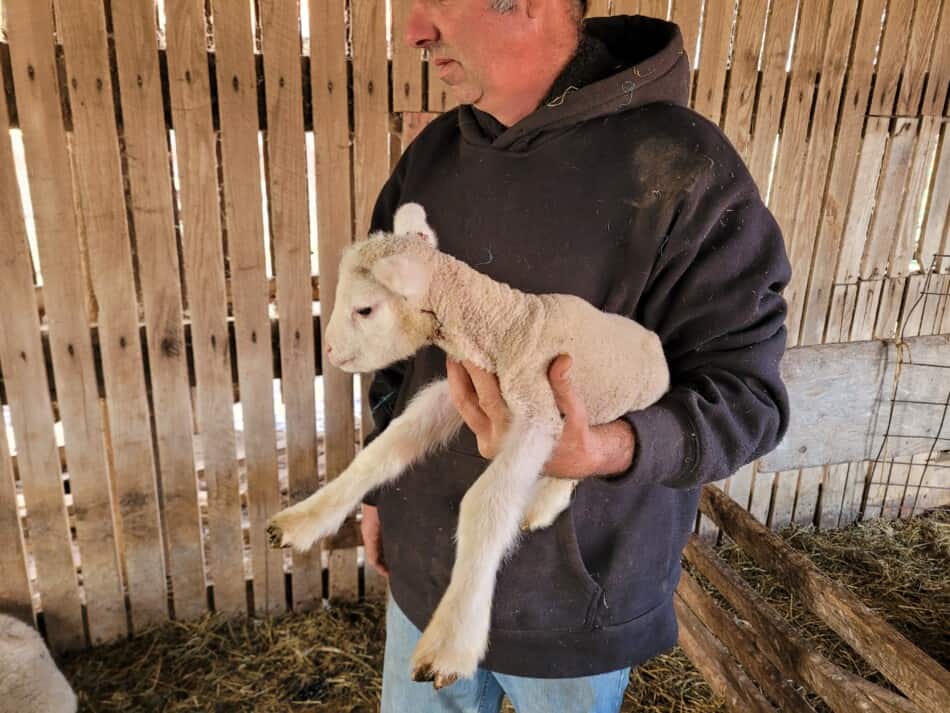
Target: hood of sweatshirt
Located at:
point(622, 63)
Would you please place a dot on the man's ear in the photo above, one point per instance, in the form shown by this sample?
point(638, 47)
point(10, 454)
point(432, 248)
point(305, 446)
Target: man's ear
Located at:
point(410, 219)
point(404, 274)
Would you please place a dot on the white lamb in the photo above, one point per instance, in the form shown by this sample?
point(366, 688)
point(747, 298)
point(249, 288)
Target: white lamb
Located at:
point(398, 293)
point(29, 679)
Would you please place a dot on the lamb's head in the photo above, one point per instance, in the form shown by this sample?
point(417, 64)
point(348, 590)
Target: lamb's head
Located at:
point(380, 312)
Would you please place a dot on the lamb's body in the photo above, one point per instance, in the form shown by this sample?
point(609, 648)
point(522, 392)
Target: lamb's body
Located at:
point(435, 299)
point(29, 679)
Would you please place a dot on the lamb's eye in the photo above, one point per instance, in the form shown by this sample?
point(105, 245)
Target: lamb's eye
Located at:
point(365, 312)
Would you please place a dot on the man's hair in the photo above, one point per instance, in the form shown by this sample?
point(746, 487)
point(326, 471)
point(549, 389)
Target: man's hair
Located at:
point(504, 6)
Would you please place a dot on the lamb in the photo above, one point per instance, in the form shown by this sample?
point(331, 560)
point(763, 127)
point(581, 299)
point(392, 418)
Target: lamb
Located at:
point(397, 293)
point(29, 680)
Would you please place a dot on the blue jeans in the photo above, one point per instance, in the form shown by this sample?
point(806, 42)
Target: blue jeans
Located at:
point(483, 693)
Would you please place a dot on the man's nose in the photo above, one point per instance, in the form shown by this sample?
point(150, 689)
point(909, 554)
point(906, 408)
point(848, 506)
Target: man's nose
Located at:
point(420, 32)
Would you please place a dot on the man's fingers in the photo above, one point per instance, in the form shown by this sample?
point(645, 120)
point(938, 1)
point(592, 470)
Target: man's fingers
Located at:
point(489, 392)
point(465, 398)
point(568, 402)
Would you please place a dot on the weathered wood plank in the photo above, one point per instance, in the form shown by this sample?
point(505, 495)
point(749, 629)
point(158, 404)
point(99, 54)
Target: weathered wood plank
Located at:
point(407, 62)
point(99, 185)
point(714, 661)
point(44, 139)
point(832, 496)
point(830, 235)
point(190, 95)
point(289, 223)
point(938, 79)
point(783, 502)
point(655, 8)
point(15, 596)
point(688, 15)
point(920, 45)
point(740, 638)
point(806, 499)
point(842, 690)
point(761, 500)
point(891, 57)
point(152, 213)
point(936, 228)
point(336, 233)
point(768, 110)
point(718, 26)
point(846, 389)
point(237, 103)
point(918, 676)
point(598, 8)
point(740, 100)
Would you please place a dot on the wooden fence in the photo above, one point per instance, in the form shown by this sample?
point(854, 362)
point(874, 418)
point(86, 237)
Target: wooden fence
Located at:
point(174, 178)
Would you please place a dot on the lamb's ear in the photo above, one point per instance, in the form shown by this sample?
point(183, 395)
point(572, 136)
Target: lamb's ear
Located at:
point(405, 274)
point(410, 219)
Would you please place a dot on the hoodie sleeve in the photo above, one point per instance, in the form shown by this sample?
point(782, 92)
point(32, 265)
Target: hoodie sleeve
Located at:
point(715, 300)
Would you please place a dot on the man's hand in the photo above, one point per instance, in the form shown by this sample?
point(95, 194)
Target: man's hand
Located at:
point(373, 539)
point(583, 451)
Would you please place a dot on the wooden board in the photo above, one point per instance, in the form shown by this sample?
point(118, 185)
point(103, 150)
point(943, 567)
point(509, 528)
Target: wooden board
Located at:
point(938, 79)
point(891, 57)
point(598, 8)
point(290, 232)
point(655, 8)
point(783, 501)
point(15, 584)
point(688, 15)
point(713, 53)
point(830, 234)
point(99, 186)
point(768, 110)
point(832, 495)
point(762, 489)
point(920, 46)
point(824, 121)
point(189, 90)
point(846, 389)
point(407, 62)
point(333, 157)
point(38, 101)
point(150, 205)
point(933, 239)
point(237, 104)
point(743, 75)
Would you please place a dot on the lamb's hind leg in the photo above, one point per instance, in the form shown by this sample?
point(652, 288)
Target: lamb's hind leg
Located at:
point(428, 422)
point(457, 636)
point(550, 498)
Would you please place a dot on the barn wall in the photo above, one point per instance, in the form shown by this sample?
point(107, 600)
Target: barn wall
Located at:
point(176, 185)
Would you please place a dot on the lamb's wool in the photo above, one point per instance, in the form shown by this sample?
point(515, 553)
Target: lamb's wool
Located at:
point(29, 679)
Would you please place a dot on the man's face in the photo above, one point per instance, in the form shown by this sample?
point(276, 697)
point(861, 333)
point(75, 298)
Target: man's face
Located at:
point(489, 58)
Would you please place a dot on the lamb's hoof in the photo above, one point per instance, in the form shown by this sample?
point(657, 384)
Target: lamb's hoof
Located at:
point(275, 537)
point(423, 674)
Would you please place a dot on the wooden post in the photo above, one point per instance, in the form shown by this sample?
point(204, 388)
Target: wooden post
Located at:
point(237, 104)
point(190, 94)
point(918, 676)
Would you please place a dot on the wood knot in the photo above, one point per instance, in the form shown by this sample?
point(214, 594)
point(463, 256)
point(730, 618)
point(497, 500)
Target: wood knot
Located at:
point(253, 337)
point(214, 342)
point(369, 87)
point(139, 80)
point(188, 76)
point(281, 82)
point(99, 84)
point(70, 350)
point(330, 87)
point(170, 347)
point(235, 82)
point(122, 342)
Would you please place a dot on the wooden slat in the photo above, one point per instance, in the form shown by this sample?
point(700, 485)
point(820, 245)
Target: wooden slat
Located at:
point(760, 502)
point(714, 49)
point(99, 184)
point(332, 137)
point(189, 90)
point(598, 8)
point(714, 661)
point(740, 639)
point(854, 487)
point(920, 46)
point(655, 8)
point(237, 103)
point(38, 102)
point(407, 62)
point(740, 485)
point(938, 79)
point(843, 691)
point(891, 56)
point(918, 676)
point(290, 230)
point(737, 123)
point(768, 111)
point(371, 169)
point(830, 235)
point(146, 140)
point(806, 499)
point(688, 15)
point(888, 315)
point(801, 232)
point(904, 242)
point(914, 481)
point(15, 596)
point(625, 7)
point(832, 495)
point(937, 222)
point(783, 503)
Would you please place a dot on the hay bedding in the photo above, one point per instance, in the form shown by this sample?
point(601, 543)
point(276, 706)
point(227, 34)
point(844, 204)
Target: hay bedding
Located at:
point(330, 659)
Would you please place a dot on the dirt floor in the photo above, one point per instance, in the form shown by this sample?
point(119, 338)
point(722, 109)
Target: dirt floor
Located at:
point(329, 660)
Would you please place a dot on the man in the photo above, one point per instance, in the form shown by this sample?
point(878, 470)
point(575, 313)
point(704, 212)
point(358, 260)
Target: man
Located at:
point(573, 166)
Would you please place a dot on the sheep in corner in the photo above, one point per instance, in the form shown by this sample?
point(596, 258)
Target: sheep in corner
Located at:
point(29, 679)
point(397, 293)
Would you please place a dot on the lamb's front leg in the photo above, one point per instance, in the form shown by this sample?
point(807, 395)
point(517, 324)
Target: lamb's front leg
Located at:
point(428, 422)
point(457, 636)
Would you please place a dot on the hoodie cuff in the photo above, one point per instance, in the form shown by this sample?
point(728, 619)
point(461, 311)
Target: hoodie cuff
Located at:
point(665, 448)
